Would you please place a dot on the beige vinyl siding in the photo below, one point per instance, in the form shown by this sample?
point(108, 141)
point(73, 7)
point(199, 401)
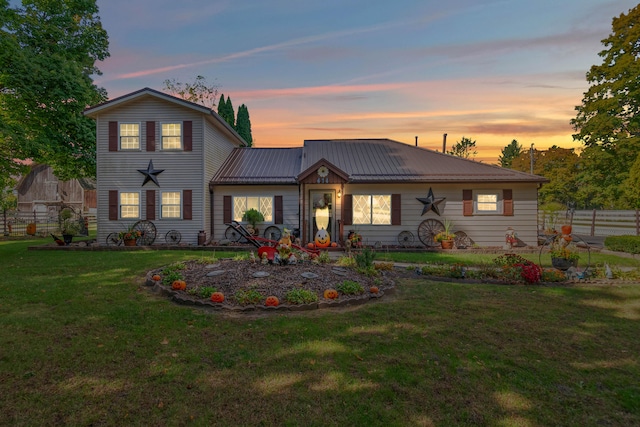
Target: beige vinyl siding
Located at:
point(216, 150)
point(485, 230)
point(182, 170)
point(290, 204)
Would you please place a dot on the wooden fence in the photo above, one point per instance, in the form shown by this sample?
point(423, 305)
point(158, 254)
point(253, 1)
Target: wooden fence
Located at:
point(594, 222)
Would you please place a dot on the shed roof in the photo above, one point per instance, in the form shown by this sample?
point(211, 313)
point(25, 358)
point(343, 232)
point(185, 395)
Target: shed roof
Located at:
point(363, 161)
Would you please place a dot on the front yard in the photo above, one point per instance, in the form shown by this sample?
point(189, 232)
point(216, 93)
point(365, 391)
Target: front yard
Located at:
point(83, 341)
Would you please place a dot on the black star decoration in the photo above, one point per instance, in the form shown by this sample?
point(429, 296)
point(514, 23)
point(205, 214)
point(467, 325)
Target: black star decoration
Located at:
point(150, 174)
point(430, 203)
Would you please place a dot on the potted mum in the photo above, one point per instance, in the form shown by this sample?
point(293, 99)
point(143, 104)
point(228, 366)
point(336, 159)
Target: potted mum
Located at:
point(130, 236)
point(69, 226)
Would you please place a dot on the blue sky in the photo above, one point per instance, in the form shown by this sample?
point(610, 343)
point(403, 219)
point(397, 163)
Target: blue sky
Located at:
point(492, 71)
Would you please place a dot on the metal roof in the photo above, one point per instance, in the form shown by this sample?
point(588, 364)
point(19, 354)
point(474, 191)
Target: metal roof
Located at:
point(260, 166)
point(363, 160)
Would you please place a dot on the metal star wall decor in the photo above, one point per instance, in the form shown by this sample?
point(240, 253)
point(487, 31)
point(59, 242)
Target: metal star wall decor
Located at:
point(150, 174)
point(430, 203)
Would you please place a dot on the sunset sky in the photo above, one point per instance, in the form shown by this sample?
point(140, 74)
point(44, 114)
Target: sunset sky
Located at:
point(489, 70)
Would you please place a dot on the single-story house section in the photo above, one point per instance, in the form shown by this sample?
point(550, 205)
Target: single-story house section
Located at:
point(179, 166)
point(389, 192)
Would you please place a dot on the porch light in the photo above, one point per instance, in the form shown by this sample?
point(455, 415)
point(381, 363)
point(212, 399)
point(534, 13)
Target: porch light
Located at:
point(339, 193)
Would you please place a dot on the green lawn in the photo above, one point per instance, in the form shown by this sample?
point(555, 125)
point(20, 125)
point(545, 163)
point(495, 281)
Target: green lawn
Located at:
point(83, 342)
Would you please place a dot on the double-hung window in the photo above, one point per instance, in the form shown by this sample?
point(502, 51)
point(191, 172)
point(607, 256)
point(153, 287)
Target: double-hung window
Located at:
point(129, 205)
point(487, 203)
point(171, 204)
point(372, 209)
point(264, 205)
point(129, 134)
point(171, 136)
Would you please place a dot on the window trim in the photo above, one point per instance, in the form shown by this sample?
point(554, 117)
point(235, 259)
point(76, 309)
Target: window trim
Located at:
point(180, 205)
point(499, 202)
point(371, 196)
point(233, 207)
point(120, 205)
point(162, 136)
point(120, 148)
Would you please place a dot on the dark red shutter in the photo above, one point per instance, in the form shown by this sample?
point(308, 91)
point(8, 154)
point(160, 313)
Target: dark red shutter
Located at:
point(396, 210)
point(467, 202)
point(151, 205)
point(347, 209)
point(113, 205)
point(151, 136)
point(507, 202)
point(187, 204)
point(187, 128)
point(278, 214)
point(113, 136)
point(226, 209)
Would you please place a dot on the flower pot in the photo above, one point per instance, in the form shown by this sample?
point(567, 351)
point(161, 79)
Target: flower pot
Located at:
point(564, 264)
point(446, 244)
point(566, 229)
point(130, 242)
point(67, 238)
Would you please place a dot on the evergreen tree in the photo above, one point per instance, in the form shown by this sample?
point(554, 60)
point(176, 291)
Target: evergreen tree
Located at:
point(243, 125)
point(230, 114)
point(509, 153)
point(222, 105)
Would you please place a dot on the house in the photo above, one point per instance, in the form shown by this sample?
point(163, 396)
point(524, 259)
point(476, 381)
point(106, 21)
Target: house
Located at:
point(180, 166)
point(155, 155)
point(40, 191)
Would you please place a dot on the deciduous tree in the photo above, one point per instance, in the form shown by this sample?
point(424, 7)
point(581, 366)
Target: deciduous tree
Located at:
point(198, 91)
point(47, 57)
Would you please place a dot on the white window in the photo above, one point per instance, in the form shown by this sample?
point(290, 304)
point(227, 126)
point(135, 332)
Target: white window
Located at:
point(372, 209)
point(129, 136)
point(171, 136)
point(130, 205)
point(170, 204)
point(487, 203)
point(264, 205)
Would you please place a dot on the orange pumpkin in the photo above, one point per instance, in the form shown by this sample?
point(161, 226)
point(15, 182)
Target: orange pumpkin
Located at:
point(31, 229)
point(179, 285)
point(156, 277)
point(272, 301)
point(330, 294)
point(334, 245)
point(217, 297)
point(566, 229)
point(310, 245)
point(374, 290)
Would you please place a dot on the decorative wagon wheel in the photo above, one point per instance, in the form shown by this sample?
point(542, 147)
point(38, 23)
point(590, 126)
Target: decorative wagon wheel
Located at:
point(232, 234)
point(428, 229)
point(113, 239)
point(272, 233)
point(148, 231)
point(462, 240)
point(173, 237)
point(405, 238)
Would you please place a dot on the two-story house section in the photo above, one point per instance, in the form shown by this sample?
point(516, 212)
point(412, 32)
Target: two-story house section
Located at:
point(155, 155)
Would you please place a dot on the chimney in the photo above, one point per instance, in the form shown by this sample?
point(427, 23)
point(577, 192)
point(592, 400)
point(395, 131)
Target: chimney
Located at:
point(416, 140)
point(444, 142)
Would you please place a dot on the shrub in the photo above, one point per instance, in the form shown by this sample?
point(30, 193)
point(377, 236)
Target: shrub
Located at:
point(515, 268)
point(553, 275)
point(349, 287)
point(300, 296)
point(364, 259)
point(168, 277)
point(346, 261)
point(324, 257)
point(630, 244)
point(250, 296)
point(383, 266)
point(444, 270)
point(206, 291)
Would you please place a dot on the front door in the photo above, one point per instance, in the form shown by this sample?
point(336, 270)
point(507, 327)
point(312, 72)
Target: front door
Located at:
point(322, 214)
